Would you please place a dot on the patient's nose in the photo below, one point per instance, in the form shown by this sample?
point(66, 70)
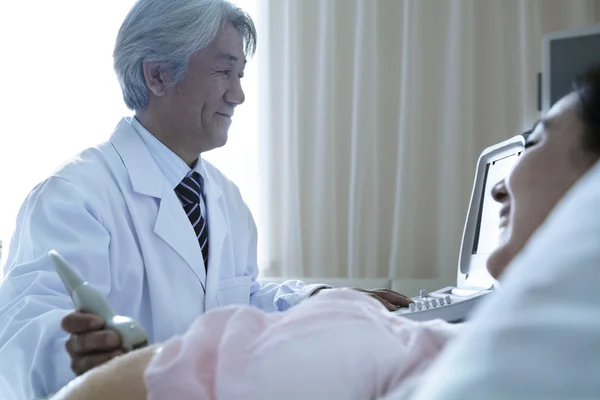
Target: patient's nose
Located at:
point(499, 192)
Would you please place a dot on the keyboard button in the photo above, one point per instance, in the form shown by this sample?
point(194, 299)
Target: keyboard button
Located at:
point(411, 307)
point(441, 300)
point(420, 306)
point(426, 303)
point(424, 293)
point(448, 300)
point(434, 302)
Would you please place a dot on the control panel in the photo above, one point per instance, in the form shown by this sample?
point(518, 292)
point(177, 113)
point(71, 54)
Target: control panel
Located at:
point(450, 304)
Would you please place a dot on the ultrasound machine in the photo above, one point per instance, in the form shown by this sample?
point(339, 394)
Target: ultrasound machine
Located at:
point(481, 236)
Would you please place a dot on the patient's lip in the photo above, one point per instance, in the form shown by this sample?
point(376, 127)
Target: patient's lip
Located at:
point(504, 214)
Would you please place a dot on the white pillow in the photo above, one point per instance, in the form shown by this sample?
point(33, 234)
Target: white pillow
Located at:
point(539, 337)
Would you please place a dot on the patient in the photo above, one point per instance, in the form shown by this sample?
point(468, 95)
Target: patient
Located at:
point(342, 344)
point(561, 149)
point(539, 339)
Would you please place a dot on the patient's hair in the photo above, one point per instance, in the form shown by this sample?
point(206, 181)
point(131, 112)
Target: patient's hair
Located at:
point(587, 86)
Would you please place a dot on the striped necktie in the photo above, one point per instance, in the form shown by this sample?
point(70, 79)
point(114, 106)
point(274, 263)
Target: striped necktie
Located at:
point(190, 193)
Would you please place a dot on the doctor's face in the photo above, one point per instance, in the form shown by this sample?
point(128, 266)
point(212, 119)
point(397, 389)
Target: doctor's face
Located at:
point(553, 161)
point(202, 104)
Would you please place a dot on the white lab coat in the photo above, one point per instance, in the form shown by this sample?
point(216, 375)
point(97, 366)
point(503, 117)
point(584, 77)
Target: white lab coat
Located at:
point(111, 213)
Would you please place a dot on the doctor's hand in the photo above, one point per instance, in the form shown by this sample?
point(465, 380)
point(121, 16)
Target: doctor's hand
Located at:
point(89, 343)
point(391, 299)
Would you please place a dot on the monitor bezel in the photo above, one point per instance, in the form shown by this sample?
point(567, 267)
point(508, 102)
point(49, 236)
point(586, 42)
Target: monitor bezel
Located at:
point(477, 262)
point(546, 67)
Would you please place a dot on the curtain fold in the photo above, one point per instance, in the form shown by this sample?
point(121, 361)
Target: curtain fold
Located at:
point(373, 116)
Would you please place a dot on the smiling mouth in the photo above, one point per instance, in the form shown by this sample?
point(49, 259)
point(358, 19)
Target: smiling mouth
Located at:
point(224, 115)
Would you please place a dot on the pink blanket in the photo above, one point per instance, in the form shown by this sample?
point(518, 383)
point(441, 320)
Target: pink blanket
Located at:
point(340, 344)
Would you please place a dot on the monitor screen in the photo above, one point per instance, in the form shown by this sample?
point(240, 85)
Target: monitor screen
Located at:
point(487, 235)
point(568, 57)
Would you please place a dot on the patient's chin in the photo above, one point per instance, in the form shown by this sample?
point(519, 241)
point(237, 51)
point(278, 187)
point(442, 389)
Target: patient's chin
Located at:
point(499, 260)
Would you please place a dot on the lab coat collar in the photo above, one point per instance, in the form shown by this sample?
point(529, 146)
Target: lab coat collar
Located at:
point(145, 175)
point(210, 184)
point(141, 165)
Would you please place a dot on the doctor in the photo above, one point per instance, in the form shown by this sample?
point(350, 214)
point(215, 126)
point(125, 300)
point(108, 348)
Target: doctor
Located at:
point(162, 233)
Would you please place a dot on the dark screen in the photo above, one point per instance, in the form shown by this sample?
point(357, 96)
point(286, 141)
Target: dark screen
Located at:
point(568, 58)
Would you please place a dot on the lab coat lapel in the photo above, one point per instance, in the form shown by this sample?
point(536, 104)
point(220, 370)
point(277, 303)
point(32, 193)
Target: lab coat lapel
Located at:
point(171, 223)
point(217, 231)
point(173, 226)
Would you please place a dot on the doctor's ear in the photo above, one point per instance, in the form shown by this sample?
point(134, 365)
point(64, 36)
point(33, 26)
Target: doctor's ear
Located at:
point(157, 77)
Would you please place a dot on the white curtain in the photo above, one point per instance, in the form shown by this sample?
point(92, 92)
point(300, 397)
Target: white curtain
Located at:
point(373, 114)
point(60, 95)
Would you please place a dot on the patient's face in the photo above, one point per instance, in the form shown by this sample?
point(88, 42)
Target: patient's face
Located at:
point(551, 164)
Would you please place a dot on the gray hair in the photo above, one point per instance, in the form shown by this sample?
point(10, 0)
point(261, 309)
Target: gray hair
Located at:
point(171, 31)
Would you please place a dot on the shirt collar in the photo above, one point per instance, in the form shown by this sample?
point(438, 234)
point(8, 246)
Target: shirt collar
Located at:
point(170, 164)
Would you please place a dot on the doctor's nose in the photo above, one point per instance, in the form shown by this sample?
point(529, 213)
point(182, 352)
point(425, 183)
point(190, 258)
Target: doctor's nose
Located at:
point(235, 94)
point(500, 192)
